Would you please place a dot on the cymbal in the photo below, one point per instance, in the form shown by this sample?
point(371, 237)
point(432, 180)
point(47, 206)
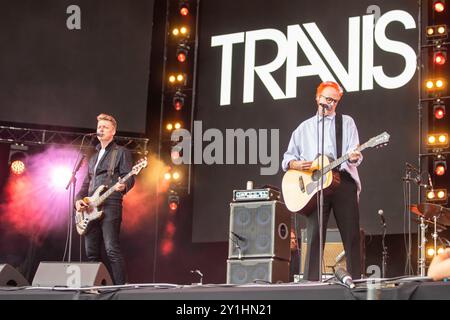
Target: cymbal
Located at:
point(430, 210)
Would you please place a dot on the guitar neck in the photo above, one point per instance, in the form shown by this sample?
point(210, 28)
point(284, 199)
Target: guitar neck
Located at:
point(105, 195)
point(342, 159)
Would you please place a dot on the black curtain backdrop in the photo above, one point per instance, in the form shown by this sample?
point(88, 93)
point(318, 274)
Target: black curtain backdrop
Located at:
point(374, 111)
point(51, 75)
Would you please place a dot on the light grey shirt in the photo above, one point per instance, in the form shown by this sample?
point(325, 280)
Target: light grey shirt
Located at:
point(303, 144)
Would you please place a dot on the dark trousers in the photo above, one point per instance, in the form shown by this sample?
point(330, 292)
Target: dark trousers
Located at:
point(344, 203)
point(107, 230)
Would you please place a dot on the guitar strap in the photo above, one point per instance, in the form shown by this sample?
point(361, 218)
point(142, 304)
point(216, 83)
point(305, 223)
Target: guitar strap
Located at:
point(338, 125)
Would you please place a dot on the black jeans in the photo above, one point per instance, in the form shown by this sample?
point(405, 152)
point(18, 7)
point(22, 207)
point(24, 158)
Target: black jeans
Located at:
point(344, 203)
point(108, 230)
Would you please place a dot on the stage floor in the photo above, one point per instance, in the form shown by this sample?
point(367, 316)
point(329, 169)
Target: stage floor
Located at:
point(293, 291)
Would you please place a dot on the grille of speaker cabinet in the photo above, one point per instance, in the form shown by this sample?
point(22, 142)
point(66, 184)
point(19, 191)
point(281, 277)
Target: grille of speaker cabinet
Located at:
point(86, 274)
point(259, 230)
point(251, 270)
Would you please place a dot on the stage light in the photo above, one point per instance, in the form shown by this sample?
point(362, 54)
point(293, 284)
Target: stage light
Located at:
point(17, 160)
point(173, 200)
point(178, 79)
point(60, 176)
point(175, 31)
point(440, 167)
point(175, 154)
point(440, 57)
point(184, 8)
point(437, 140)
point(177, 125)
point(437, 196)
point(430, 252)
point(169, 127)
point(440, 250)
point(435, 84)
point(17, 167)
point(182, 52)
point(167, 176)
point(439, 5)
point(436, 32)
point(176, 175)
point(184, 30)
point(439, 110)
point(178, 100)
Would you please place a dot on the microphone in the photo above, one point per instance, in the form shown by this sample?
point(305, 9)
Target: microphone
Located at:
point(344, 277)
point(94, 134)
point(324, 105)
point(237, 236)
point(340, 256)
point(410, 166)
point(429, 181)
point(383, 222)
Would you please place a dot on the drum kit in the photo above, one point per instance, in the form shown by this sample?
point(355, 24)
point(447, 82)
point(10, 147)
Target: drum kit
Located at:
point(429, 214)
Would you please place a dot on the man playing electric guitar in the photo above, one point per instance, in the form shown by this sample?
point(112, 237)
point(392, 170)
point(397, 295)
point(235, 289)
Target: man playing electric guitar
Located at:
point(340, 138)
point(106, 167)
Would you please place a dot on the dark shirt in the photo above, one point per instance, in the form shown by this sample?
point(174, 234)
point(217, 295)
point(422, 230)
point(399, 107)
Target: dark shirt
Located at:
point(123, 165)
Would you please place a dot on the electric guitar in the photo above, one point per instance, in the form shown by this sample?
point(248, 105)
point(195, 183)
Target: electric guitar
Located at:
point(300, 187)
point(92, 212)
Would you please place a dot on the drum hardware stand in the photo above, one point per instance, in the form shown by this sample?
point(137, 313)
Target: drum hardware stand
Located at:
point(422, 243)
point(435, 235)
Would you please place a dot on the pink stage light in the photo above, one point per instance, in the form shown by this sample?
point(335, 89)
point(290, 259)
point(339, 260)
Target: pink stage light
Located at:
point(38, 203)
point(60, 176)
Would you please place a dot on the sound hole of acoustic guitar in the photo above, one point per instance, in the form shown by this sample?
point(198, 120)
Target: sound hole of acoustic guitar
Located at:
point(316, 175)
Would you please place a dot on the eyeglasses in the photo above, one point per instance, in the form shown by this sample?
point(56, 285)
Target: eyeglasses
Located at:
point(329, 99)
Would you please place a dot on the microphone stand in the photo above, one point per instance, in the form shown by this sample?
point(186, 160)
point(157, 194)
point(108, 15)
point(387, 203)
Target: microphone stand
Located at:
point(72, 185)
point(385, 253)
point(320, 209)
point(407, 193)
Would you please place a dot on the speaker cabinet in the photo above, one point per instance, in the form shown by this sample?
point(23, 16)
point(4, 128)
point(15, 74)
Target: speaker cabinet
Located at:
point(11, 277)
point(250, 270)
point(74, 275)
point(259, 230)
point(333, 253)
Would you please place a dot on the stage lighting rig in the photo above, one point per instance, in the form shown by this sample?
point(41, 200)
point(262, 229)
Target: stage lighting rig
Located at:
point(440, 166)
point(439, 109)
point(17, 158)
point(182, 51)
point(178, 100)
point(439, 6)
point(184, 8)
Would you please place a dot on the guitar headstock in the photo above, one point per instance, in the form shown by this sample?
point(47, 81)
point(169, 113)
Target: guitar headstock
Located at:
point(379, 141)
point(141, 164)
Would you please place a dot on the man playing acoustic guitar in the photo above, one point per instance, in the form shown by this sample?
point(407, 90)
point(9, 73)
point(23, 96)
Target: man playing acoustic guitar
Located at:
point(341, 137)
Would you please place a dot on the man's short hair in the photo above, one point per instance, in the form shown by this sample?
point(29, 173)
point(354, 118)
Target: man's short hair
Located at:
point(331, 84)
point(107, 117)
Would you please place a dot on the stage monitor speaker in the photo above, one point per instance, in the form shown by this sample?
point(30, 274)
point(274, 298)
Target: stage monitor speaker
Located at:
point(11, 277)
point(251, 270)
point(259, 230)
point(74, 275)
